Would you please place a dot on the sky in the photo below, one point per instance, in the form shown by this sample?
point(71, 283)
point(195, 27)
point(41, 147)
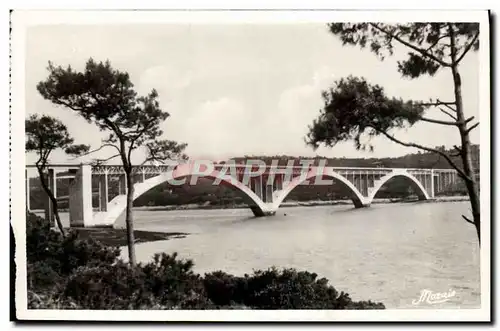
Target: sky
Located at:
point(233, 90)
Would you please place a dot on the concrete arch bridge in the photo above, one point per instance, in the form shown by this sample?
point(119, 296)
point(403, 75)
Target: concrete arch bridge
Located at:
point(263, 190)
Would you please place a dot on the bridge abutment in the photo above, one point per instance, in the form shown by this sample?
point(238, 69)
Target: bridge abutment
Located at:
point(80, 198)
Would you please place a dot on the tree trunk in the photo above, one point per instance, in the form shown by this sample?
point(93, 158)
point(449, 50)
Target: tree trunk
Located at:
point(52, 198)
point(470, 182)
point(129, 219)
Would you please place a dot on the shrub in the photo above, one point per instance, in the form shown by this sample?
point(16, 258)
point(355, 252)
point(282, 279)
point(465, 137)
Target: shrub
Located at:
point(165, 283)
point(52, 257)
point(224, 289)
point(290, 289)
point(279, 289)
point(63, 254)
point(173, 282)
point(117, 286)
point(50, 301)
point(42, 276)
point(74, 252)
point(39, 238)
point(356, 305)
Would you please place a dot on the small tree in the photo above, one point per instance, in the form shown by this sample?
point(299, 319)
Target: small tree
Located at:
point(106, 97)
point(45, 134)
point(353, 107)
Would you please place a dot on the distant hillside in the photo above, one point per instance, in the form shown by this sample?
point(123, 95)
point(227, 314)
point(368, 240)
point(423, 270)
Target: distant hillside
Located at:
point(416, 160)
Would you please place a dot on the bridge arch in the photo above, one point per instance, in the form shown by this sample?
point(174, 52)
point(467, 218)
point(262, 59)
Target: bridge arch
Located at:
point(357, 198)
point(404, 175)
point(116, 207)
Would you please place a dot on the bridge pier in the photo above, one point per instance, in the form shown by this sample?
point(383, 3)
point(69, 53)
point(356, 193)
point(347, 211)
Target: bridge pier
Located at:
point(80, 198)
point(362, 205)
point(432, 184)
point(122, 184)
point(261, 213)
point(258, 187)
point(268, 197)
point(103, 192)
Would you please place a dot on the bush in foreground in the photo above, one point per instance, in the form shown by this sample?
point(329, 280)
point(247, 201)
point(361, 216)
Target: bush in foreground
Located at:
point(70, 273)
point(279, 289)
point(51, 256)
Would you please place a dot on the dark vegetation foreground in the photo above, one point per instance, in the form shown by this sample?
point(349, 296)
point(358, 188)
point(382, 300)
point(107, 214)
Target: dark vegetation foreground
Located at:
point(79, 272)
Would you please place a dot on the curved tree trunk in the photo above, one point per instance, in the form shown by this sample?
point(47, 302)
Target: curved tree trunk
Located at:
point(52, 198)
point(129, 221)
point(470, 182)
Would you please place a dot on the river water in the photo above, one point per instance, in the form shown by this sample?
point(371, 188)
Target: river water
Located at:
point(387, 253)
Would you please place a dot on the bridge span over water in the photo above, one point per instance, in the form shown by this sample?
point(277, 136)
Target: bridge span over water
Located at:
point(264, 190)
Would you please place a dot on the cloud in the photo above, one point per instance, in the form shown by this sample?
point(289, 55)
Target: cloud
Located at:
point(245, 90)
point(297, 107)
point(163, 78)
point(218, 126)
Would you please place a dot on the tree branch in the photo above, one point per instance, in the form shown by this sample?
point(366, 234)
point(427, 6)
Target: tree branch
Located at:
point(469, 119)
point(430, 120)
point(96, 150)
point(438, 103)
point(428, 149)
point(415, 48)
point(150, 159)
point(66, 104)
point(447, 113)
point(152, 156)
point(472, 127)
point(101, 161)
point(450, 108)
point(468, 220)
point(138, 133)
point(113, 127)
point(467, 48)
point(436, 42)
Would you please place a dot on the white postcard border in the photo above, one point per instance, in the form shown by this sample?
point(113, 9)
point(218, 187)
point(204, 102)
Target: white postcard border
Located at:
point(22, 20)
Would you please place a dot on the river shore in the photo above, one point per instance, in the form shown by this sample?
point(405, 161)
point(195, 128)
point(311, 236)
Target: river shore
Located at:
point(311, 203)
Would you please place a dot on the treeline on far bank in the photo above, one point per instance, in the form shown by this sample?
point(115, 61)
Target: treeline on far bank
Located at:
point(205, 193)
